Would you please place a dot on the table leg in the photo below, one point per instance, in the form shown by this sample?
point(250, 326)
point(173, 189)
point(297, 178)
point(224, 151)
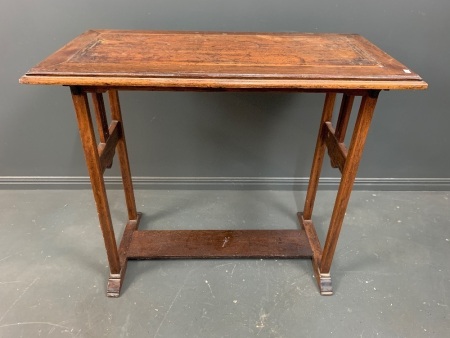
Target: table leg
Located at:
point(115, 282)
point(347, 162)
point(98, 158)
point(323, 281)
point(350, 169)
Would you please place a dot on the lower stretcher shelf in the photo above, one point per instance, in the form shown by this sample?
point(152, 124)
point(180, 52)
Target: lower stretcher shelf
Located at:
point(174, 244)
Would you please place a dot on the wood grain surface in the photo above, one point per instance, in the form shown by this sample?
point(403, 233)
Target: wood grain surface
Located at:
point(223, 60)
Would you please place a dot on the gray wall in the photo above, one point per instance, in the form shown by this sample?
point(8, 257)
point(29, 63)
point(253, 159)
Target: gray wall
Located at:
point(226, 134)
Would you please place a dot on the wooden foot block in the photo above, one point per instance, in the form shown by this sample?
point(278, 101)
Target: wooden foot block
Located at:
point(324, 283)
point(114, 285)
point(323, 279)
point(115, 281)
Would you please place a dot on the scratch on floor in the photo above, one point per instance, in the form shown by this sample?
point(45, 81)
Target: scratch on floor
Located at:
point(5, 258)
point(171, 304)
point(18, 298)
point(220, 265)
point(262, 320)
point(232, 271)
point(36, 323)
point(210, 288)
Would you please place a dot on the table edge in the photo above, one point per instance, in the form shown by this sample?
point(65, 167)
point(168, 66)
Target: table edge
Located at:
point(222, 83)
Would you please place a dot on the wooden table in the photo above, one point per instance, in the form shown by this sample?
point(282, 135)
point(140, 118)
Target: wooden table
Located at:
point(106, 61)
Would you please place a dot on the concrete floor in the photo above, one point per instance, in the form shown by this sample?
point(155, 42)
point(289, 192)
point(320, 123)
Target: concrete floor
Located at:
point(391, 272)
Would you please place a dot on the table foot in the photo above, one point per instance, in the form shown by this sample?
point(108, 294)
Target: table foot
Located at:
point(115, 281)
point(114, 285)
point(323, 279)
point(324, 283)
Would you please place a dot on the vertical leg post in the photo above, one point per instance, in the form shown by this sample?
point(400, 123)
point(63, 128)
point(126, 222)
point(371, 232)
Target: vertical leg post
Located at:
point(318, 156)
point(100, 116)
point(324, 282)
point(115, 281)
point(116, 115)
point(87, 134)
point(344, 116)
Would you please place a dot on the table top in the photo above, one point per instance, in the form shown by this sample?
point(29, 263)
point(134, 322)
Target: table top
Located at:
point(223, 60)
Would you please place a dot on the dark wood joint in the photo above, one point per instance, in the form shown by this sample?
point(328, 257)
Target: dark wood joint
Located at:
point(373, 94)
point(76, 90)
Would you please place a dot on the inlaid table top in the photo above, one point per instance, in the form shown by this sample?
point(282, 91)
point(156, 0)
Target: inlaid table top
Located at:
point(223, 60)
